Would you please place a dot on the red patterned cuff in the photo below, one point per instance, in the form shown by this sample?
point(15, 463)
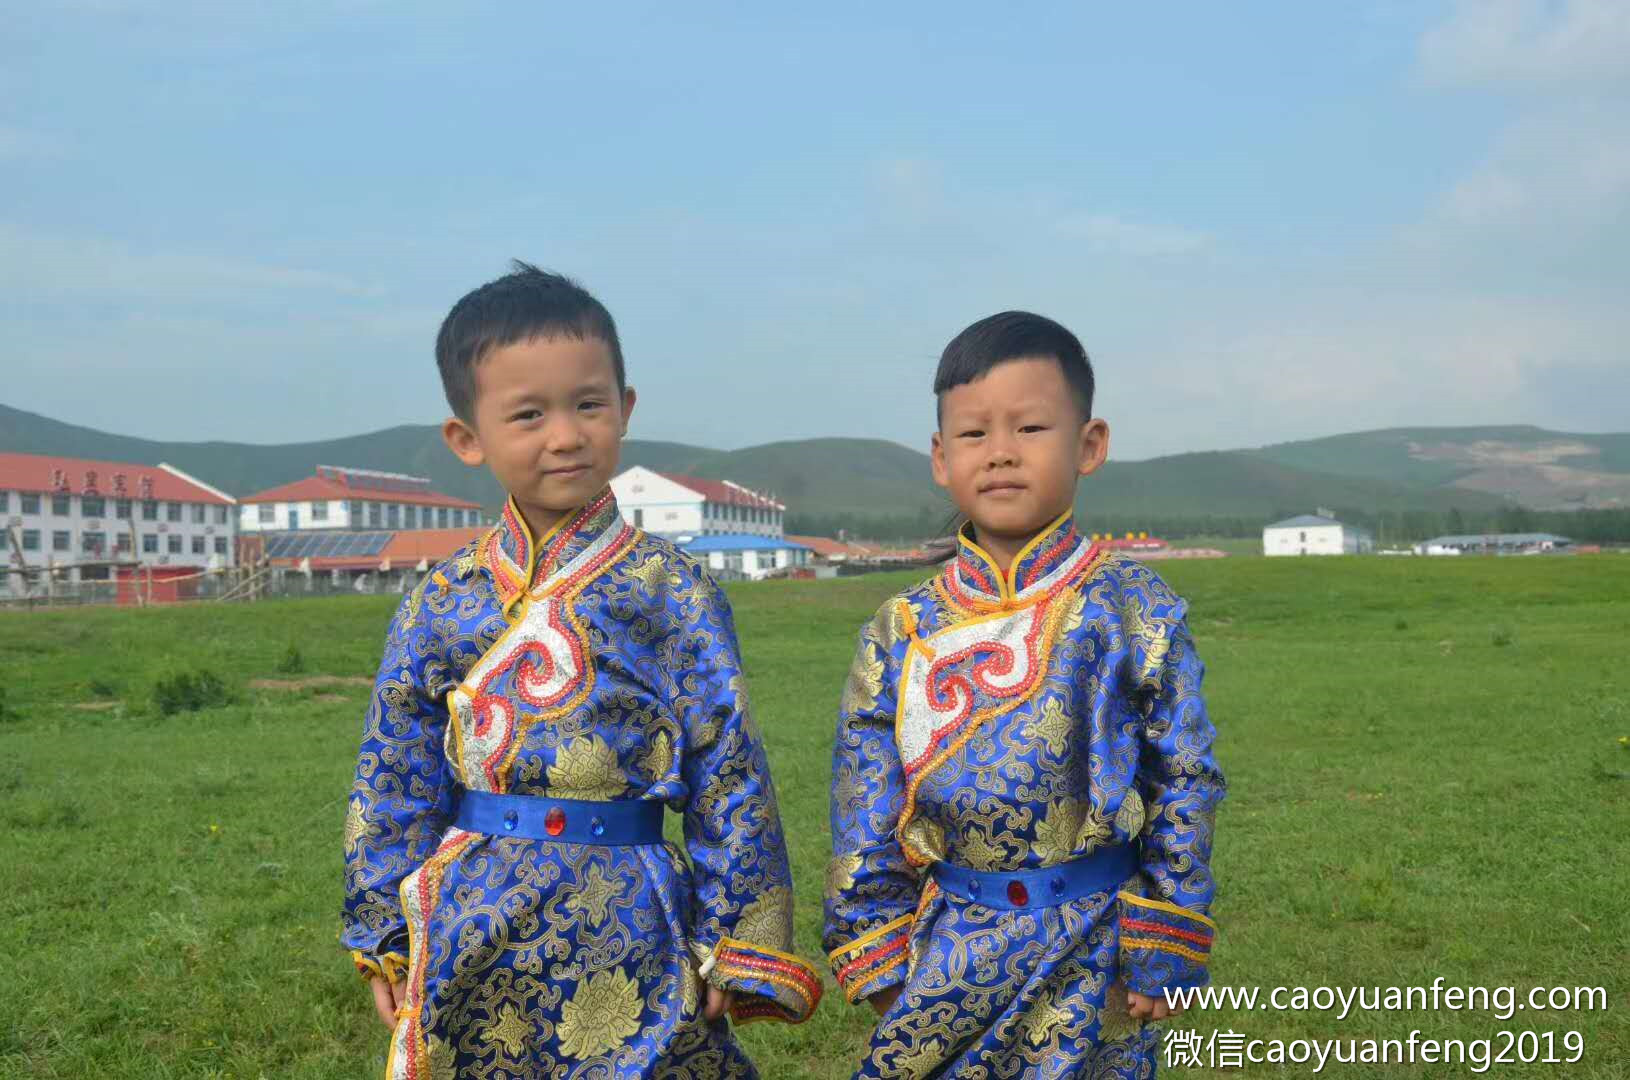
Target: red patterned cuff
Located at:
point(874, 961)
point(1163, 946)
point(776, 985)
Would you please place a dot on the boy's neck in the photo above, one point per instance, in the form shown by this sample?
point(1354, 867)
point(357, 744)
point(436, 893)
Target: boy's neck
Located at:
point(540, 519)
point(1005, 549)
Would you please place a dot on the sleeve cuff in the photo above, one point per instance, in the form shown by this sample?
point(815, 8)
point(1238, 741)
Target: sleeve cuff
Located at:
point(1163, 946)
point(775, 985)
point(874, 961)
point(392, 967)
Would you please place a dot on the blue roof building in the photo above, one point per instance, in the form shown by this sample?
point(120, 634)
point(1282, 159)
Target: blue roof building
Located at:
point(737, 556)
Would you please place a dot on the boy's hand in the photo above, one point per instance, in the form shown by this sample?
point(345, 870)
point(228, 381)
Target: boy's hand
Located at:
point(719, 1002)
point(387, 999)
point(1144, 1007)
point(883, 1000)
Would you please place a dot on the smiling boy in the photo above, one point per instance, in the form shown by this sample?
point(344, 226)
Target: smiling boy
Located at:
point(545, 695)
point(1023, 785)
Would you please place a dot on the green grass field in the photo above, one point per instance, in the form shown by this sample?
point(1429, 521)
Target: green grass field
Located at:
point(1423, 760)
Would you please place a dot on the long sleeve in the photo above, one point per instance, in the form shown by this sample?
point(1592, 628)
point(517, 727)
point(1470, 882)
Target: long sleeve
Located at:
point(1166, 934)
point(402, 798)
point(742, 925)
point(871, 890)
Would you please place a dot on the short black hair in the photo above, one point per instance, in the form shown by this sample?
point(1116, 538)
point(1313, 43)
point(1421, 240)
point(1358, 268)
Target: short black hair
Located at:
point(524, 304)
point(1016, 335)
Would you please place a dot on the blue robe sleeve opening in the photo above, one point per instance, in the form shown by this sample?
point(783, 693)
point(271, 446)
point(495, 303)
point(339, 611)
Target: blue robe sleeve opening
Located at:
point(402, 797)
point(872, 890)
point(1165, 927)
point(733, 834)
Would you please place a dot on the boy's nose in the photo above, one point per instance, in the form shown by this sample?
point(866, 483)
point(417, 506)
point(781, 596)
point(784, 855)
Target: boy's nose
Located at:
point(564, 436)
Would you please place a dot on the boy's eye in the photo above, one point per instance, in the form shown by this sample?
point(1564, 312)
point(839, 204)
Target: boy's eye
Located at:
point(592, 405)
point(971, 433)
point(1030, 429)
point(526, 414)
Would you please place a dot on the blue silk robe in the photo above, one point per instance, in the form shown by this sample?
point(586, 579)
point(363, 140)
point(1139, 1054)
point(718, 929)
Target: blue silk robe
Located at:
point(593, 663)
point(1009, 722)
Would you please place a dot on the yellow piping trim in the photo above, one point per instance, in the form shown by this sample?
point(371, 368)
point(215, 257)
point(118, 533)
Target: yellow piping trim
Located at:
point(1007, 580)
point(859, 943)
point(1163, 946)
point(857, 991)
point(728, 942)
point(1161, 905)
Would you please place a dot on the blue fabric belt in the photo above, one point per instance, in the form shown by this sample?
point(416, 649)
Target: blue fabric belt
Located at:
point(1012, 890)
point(618, 823)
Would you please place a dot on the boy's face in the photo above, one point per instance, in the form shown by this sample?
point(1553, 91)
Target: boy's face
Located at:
point(548, 421)
point(1011, 446)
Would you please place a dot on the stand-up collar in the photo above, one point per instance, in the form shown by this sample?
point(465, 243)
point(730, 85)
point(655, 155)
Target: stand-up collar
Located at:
point(519, 561)
point(979, 578)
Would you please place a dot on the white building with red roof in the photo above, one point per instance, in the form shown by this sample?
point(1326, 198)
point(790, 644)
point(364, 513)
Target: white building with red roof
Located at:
point(342, 498)
point(80, 518)
point(671, 505)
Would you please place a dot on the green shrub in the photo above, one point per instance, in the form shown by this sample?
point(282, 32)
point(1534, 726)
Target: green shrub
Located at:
point(293, 662)
point(188, 691)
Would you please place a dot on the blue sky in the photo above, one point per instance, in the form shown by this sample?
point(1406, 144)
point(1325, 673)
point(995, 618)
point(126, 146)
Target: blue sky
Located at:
point(1268, 222)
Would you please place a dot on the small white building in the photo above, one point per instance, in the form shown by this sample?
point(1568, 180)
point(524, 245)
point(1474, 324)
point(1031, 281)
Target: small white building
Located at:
point(353, 499)
point(1315, 534)
point(671, 506)
point(1494, 544)
point(81, 519)
point(732, 557)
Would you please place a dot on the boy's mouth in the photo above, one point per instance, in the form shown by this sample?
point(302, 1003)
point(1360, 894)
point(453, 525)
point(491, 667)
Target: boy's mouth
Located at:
point(1001, 487)
point(566, 472)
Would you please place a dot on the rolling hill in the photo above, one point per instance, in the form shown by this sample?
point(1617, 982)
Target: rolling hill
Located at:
point(852, 480)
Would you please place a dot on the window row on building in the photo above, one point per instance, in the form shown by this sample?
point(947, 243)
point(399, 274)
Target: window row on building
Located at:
point(95, 507)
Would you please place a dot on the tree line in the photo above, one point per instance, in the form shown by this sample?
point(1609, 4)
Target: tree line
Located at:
point(1391, 528)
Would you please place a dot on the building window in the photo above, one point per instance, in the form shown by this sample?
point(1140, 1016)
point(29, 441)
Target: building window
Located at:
point(441, 517)
point(200, 513)
point(410, 517)
point(268, 513)
point(172, 511)
point(5, 500)
point(59, 505)
point(173, 543)
point(355, 509)
point(121, 541)
point(93, 506)
point(375, 514)
point(92, 543)
point(30, 504)
point(149, 543)
point(198, 545)
point(220, 545)
point(319, 510)
point(5, 539)
point(31, 539)
point(61, 540)
point(121, 509)
point(1304, 536)
point(639, 519)
point(149, 510)
point(393, 516)
point(223, 514)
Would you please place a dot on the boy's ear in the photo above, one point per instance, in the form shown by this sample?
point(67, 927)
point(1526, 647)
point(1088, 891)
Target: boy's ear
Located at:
point(629, 398)
point(1094, 445)
point(936, 458)
point(461, 439)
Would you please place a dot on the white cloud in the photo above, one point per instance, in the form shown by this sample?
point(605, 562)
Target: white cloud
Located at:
point(1106, 232)
point(1556, 165)
point(1574, 42)
point(62, 264)
point(21, 144)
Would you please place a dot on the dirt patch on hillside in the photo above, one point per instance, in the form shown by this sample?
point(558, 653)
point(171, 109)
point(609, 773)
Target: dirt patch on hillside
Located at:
point(309, 682)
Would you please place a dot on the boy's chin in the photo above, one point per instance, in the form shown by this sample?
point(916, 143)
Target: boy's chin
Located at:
point(1014, 522)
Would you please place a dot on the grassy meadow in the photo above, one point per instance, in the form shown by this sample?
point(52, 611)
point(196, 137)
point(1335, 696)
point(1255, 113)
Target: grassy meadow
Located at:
point(1423, 756)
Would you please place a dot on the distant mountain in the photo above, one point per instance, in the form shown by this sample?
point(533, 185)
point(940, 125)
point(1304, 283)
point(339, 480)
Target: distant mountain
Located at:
point(1533, 467)
point(848, 481)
